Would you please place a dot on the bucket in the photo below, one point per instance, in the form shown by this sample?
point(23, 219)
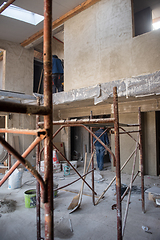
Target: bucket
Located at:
point(15, 180)
point(74, 164)
point(66, 170)
point(63, 165)
point(30, 198)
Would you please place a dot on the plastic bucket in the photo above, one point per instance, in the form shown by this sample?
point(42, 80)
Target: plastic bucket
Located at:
point(15, 180)
point(74, 164)
point(30, 198)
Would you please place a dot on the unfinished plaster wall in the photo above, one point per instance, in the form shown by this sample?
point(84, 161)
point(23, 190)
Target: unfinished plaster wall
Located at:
point(1, 73)
point(19, 67)
point(149, 143)
point(127, 145)
point(19, 78)
point(22, 121)
point(99, 46)
point(57, 48)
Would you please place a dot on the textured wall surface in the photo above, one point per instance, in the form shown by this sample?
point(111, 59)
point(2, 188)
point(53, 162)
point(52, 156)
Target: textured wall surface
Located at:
point(19, 67)
point(99, 46)
point(57, 48)
point(1, 73)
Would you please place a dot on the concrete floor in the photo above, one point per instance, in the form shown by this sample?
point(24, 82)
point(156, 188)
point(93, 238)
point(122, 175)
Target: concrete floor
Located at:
point(88, 222)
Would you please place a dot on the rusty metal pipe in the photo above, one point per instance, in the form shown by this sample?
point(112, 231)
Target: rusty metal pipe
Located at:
point(124, 194)
point(97, 139)
point(141, 159)
point(118, 174)
point(9, 160)
point(81, 121)
point(92, 151)
point(101, 196)
point(73, 168)
point(74, 181)
point(25, 163)
point(38, 197)
point(47, 80)
point(23, 108)
point(6, 5)
point(17, 163)
point(23, 131)
point(129, 134)
point(129, 195)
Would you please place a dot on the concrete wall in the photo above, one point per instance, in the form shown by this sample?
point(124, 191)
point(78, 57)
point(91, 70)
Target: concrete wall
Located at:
point(19, 78)
point(99, 46)
point(127, 145)
point(149, 143)
point(57, 48)
point(22, 121)
point(19, 67)
point(1, 73)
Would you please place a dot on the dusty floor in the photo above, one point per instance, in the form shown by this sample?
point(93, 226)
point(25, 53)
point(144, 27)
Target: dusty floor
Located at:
point(88, 222)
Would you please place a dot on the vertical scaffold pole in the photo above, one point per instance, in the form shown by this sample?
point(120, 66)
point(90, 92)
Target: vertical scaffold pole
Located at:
point(48, 164)
point(141, 159)
point(38, 185)
point(91, 137)
point(118, 173)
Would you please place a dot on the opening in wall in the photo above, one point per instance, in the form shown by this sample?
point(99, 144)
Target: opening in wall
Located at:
point(38, 77)
point(146, 16)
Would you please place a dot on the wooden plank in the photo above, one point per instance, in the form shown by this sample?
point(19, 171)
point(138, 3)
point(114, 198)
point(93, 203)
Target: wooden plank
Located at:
point(83, 6)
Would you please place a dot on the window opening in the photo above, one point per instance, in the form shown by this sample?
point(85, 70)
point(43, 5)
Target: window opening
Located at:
point(21, 14)
point(146, 16)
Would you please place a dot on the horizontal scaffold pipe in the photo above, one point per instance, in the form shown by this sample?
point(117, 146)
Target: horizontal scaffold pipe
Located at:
point(23, 108)
point(82, 121)
point(37, 132)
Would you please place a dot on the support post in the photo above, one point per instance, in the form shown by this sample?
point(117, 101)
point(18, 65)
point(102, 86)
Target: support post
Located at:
point(91, 138)
point(38, 199)
point(48, 162)
point(9, 160)
point(117, 156)
point(141, 159)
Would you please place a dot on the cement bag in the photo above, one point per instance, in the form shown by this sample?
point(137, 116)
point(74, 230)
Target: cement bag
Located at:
point(15, 180)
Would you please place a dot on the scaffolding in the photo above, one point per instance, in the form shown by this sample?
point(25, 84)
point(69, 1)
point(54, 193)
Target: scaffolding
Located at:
point(45, 185)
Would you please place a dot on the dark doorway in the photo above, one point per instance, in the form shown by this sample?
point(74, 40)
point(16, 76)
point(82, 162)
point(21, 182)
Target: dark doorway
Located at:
point(80, 140)
point(76, 143)
point(38, 77)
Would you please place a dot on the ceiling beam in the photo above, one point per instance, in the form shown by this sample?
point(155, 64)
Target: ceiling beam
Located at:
point(6, 5)
point(61, 20)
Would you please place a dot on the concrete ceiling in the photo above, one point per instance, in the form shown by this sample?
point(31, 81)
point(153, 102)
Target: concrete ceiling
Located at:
point(17, 31)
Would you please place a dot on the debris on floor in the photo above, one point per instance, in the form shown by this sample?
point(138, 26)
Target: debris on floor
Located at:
point(7, 206)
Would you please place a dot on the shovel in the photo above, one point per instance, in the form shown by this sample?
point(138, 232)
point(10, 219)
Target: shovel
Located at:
point(76, 201)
